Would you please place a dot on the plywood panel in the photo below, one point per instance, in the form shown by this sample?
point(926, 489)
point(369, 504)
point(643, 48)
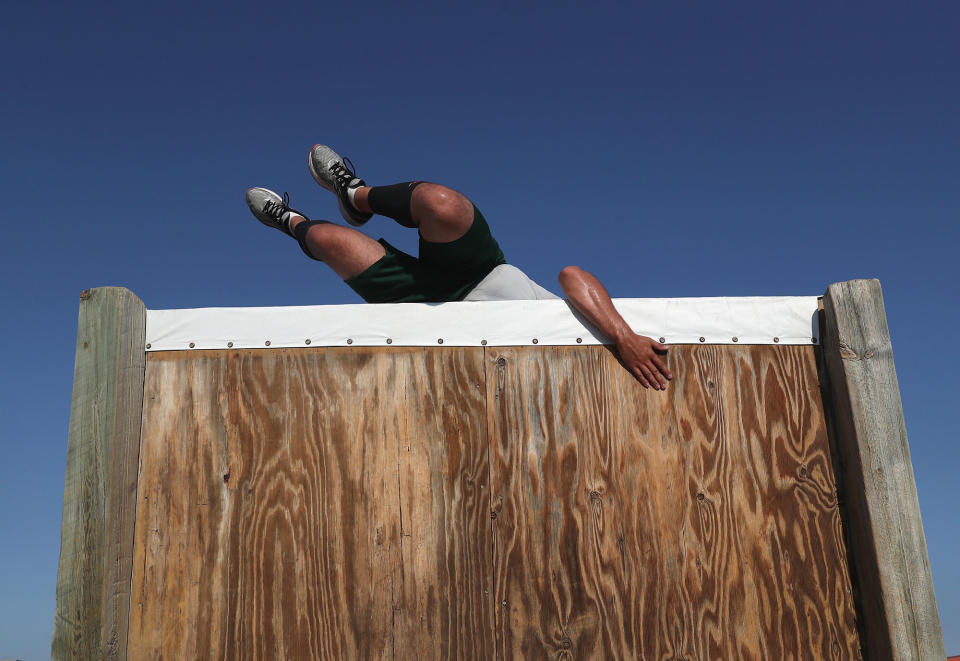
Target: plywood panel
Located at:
point(446, 608)
point(270, 515)
point(699, 523)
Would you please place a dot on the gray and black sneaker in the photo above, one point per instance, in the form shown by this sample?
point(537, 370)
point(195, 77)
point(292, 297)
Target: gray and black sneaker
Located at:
point(338, 176)
point(271, 209)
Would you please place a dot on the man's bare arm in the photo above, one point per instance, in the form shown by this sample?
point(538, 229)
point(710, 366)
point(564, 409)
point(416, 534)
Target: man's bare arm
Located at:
point(638, 353)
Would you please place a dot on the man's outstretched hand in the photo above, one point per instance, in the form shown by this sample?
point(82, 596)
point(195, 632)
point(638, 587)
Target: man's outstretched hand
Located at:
point(640, 355)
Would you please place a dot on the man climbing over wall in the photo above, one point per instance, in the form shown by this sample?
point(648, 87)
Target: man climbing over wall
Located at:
point(459, 260)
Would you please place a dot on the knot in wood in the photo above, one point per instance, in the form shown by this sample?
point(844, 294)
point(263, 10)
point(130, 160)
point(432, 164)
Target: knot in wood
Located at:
point(493, 514)
point(501, 361)
point(567, 643)
point(846, 351)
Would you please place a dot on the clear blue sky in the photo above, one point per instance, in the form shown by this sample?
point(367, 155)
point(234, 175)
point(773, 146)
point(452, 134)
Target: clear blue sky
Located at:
point(674, 149)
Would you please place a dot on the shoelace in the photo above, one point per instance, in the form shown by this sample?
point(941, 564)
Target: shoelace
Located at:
point(276, 209)
point(344, 171)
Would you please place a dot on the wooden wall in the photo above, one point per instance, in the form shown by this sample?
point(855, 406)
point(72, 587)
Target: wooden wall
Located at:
point(451, 503)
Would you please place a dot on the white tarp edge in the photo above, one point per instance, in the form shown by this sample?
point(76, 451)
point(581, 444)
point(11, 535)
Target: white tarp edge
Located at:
point(747, 320)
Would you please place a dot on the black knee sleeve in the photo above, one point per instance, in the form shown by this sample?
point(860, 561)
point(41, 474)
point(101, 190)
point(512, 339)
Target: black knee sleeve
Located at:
point(393, 201)
point(300, 234)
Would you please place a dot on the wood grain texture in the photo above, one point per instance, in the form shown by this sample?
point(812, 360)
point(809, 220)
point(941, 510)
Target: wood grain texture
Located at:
point(313, 504)
point(446, 608)
point(93, 580)
point(700, 523)
point(452, 503)
point(892, 567)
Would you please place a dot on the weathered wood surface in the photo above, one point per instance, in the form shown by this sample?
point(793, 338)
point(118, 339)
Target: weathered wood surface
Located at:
point(99, 498)
point(502, 503)
point(313, 504)
point(889, 549)
point(700, 523)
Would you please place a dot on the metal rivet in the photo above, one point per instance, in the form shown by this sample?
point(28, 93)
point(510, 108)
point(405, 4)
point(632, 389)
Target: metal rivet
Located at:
point(267, 343)
point(663, 340)
point(148, 345)
point(579, 340)
point(703, 339)
point(536, 341)
point(192, 345)
point(389, 340)
point(736, 340)
point(776, 340)
point(349, 341)
point(229, 345)
point(814, 340)
point(307, 341)
point(439, 340)
point(483, 342)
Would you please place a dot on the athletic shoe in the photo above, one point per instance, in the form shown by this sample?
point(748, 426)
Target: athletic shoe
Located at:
point(338, 176)
point(271, 209)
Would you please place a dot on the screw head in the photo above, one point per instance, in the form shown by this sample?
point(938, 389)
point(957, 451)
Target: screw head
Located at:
point(536, 341)
point(663, 340)
point(148, 345)
point(349, 340)
point(192, 345)
point(579, 340)
point(389, 340)
point(307, 341)
point(439, 340)
point(703, 339)
point(736, 339)
point(229, 345)
point(776, 340)
point(267, 343)
point(483, 342)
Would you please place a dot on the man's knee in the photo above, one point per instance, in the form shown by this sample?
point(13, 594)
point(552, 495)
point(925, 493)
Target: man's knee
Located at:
point(441, 204)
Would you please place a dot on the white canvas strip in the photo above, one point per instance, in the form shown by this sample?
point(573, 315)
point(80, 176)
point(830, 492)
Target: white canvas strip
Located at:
point(746, 320)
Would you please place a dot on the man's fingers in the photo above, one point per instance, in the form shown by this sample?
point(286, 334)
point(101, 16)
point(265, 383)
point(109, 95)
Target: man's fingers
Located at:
point(655, 371)
point(651, 377)
point(641, 377)
point(662, 366)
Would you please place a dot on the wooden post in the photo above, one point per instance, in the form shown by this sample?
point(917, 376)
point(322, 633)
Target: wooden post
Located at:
point(93, 583)
point(889, 552)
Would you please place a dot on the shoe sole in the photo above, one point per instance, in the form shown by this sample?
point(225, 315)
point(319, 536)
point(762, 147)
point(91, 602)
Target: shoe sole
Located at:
point(313, 173)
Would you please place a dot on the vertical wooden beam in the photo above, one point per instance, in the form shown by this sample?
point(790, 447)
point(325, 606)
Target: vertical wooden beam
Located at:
point(889, 552)
point(99, 499)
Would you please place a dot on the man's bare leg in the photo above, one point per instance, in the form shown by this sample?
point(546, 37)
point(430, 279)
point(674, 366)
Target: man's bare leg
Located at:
point(440, 213)
point(347, 251)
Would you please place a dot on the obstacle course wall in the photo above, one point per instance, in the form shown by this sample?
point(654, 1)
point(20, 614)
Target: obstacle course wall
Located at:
point(483, 502)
